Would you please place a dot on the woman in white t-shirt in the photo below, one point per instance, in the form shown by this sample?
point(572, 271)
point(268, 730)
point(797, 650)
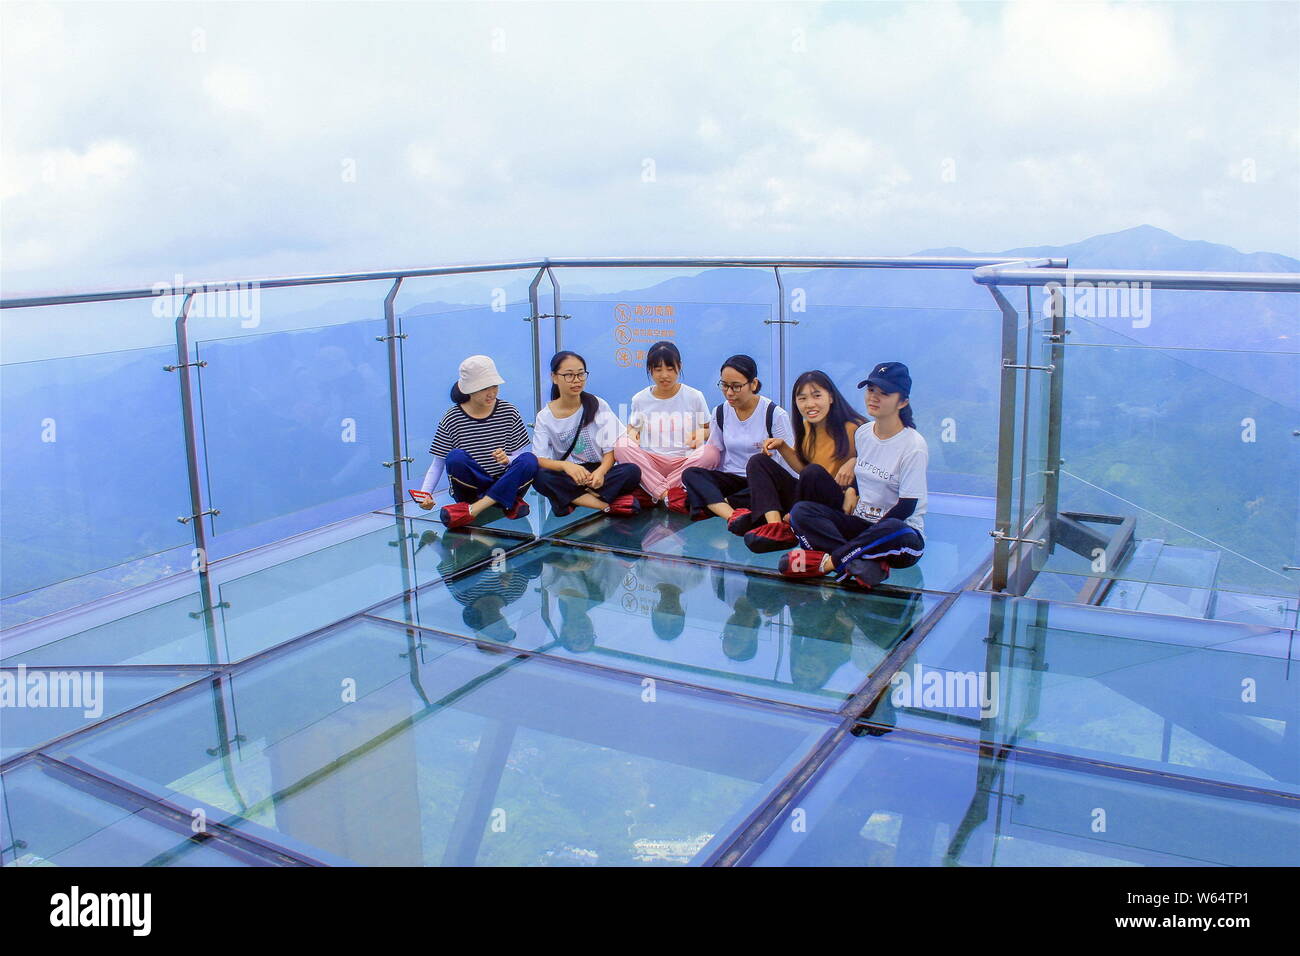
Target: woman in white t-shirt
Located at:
point(738, 430)
point(880, 526)
point(668, 430)
point(573, 439)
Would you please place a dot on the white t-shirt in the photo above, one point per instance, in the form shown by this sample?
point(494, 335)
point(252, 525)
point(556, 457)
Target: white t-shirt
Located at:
point(665, 422)
point(889, 470)
point(738, 441)
point(551, 435)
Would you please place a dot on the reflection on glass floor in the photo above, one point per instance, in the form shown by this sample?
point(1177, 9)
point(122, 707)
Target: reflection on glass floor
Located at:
point(402, 750)
point(910, 801)
point(616, 692)
point(1217, 701)
point(266, 607)
point(714, 627)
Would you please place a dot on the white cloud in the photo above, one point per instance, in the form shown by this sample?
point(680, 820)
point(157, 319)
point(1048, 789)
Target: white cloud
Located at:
point(497, 131)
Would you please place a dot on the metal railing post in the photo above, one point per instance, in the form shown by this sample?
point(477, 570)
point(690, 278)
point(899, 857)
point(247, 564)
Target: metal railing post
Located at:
point(536, 322)
point(1052, 485)
point(557, 318)
point(391, 337)
point(780, 334)
point(197, 511)
point(1006, 443)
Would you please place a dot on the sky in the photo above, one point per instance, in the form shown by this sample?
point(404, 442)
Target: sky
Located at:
point(227, 140)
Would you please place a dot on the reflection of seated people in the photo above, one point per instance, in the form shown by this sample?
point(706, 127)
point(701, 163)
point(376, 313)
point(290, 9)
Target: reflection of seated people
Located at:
point(821, 638)
point(759, 597)
point(486, 593)
point(579, 581)
point(883, 621)
point(662, 583)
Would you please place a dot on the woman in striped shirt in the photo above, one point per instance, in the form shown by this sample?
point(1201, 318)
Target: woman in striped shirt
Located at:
point(483, 446)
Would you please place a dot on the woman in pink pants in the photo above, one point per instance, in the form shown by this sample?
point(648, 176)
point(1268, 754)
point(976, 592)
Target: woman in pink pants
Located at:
point(668, 432)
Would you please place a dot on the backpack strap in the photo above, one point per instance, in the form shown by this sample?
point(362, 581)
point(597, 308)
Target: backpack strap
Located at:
point(771, 413)
point(718, 415)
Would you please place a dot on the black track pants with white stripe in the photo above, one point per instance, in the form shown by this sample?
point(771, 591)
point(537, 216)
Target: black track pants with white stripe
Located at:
point(848, 537)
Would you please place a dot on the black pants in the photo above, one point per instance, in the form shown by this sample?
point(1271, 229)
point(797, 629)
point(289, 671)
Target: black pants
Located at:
point(562, 490)
point(772, 488)
point(848, 538)
point(706, 487)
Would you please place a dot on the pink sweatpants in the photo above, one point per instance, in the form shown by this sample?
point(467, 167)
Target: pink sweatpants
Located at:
point(659, 473)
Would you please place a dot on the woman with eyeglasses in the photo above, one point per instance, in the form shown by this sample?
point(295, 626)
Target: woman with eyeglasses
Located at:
point(740, 427)
point(573, 439)
point(881, 524)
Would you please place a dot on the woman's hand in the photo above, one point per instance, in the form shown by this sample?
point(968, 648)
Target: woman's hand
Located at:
point(596, 479)
point(428, 504)
point(500, 455)
point(844, 477)
point(581, 476)
point(769, 445)
point(693, 440)
point(634, 434)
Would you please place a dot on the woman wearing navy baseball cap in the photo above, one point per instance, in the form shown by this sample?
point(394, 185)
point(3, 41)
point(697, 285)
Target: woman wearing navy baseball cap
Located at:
point(881, 524)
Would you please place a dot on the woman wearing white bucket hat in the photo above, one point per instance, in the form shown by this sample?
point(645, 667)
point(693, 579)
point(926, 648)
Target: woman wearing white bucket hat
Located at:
point(483, 446)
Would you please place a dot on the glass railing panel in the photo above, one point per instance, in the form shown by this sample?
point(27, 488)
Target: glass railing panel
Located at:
point(169, 633)
point(900, 801)
point(278, 601)
point(294, 420)
point(746, 634)
point(51, 703)
point(1202, 699)
point(954, 358)
point(1198, 445)
point(92, 466)
point(445, 320)
point(48, 821)
point(614, 335)
point(441, 753)
point(270, 606)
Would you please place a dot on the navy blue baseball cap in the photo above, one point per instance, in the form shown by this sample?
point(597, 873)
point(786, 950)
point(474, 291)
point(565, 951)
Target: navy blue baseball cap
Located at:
point(889, 377)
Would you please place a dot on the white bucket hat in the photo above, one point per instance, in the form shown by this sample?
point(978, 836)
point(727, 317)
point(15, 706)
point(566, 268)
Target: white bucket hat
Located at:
point(477, 373)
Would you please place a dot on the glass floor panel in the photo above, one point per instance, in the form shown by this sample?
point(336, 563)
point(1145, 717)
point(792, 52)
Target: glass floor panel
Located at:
point(1271, 610)
point(902, 801)
point(46, 821)
point(269, 606)
point(743, 633)
point(955, 545)
point(1201, 698)
point(40, 704)
point(398, 750)
point(539, 522)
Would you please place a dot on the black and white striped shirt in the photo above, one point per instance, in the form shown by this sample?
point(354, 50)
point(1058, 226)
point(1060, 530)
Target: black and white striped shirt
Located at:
point(479, 437)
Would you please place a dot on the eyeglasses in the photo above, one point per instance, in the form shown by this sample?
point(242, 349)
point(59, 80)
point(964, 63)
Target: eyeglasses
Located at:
point(733, 387)
point(572, 377)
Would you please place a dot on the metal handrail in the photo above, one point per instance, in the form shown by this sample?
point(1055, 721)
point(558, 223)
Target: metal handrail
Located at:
point(902, 262)
point(1026, 273)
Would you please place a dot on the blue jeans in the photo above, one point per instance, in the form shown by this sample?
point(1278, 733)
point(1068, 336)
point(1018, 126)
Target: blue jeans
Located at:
point(469, 482)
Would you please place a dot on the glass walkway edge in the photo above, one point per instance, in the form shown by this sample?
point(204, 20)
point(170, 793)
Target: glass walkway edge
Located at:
point(593, 692)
